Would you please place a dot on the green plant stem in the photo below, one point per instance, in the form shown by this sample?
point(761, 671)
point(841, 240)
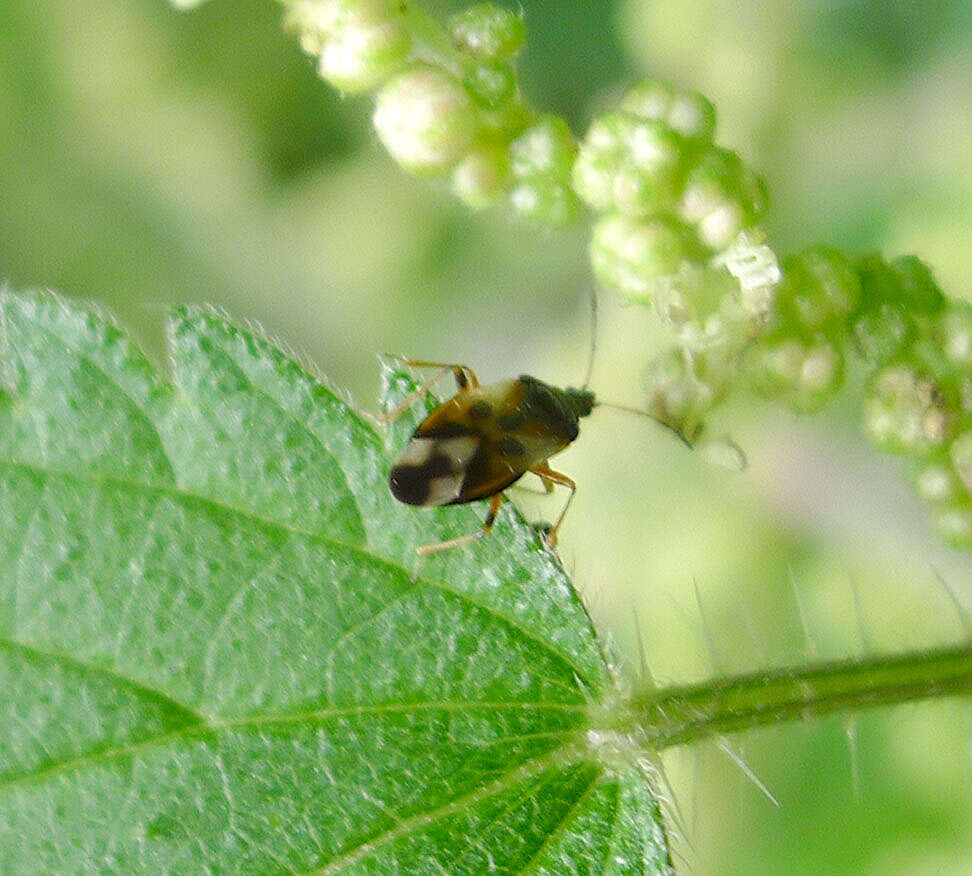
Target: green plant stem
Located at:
point(662, 717)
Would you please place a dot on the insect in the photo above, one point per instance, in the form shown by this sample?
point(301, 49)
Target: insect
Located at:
point(485, 438)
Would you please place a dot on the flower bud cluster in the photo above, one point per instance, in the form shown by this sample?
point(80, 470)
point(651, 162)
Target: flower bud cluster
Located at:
point(916, 345)
point(672, 199)
point(918, 403)
point(679, 231)
point(448, 102)
point(799, 356)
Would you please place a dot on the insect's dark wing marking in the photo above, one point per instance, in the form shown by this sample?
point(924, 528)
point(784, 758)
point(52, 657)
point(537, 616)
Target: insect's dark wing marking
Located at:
point(431, 471)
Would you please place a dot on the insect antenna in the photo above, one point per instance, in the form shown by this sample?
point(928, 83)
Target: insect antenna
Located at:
point(673, 429)
point(593, 347)
point(590, 370)
point(735, 457)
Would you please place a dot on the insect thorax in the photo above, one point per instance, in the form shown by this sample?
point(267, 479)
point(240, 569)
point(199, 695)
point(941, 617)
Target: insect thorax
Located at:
point(556, 409)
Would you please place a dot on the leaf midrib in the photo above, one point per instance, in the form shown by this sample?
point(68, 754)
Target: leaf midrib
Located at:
point(203, 729)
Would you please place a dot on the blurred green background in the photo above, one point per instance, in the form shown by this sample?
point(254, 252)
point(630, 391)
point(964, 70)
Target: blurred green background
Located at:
point(150, 157)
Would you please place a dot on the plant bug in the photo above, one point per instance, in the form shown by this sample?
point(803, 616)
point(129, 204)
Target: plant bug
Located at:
point(485, 438)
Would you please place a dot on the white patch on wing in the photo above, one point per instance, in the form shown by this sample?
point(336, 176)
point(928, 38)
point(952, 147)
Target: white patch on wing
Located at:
point(459, 451)
point(416, 452)
point(445, 489)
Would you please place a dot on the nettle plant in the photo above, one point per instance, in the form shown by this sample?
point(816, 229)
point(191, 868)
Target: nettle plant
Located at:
point(215, 655)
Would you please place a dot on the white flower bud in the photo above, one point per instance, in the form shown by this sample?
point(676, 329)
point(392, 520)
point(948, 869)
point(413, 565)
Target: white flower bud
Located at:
point(425, 119)
point(546, 148)
point(544, 200)
point(359, 58)
point(649, 99)
point(692, 116)
point(594, 179)
point(719, 228)
point(317, 21)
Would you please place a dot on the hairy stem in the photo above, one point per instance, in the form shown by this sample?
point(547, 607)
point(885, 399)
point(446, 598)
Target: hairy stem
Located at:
point(662, 717)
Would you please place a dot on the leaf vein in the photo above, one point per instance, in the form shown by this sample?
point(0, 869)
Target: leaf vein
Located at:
point(559, 829)
point(116, 677)
point(523, 772)
point(279, 526)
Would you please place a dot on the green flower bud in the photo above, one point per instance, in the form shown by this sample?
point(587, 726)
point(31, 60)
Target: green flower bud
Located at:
point(712, 201)
point(488, 32)
point(918, 290)
point(649, 99)
point(640, 193)
point(546, 148)
point(883, 331)
point(805, 375)
point(680, 393)
point(821, 375)
point(601, 156)
point(905, 412)
point(713, 181)
point(593, 179)
point(960, 452)
point(819, 288)
point(931, 360)
point(776, 364)
point(359, 58)
point(955, 523)
point(936, 482)
point(650, 176)
point(699, 304)
point(630, 256)
point(490, 84)
point(953, 333)
point(544, 200)
point(721, 227)
point(878, 282)
point(609, 134)
point(481, 177)
point(425, 119)
point(693, 116)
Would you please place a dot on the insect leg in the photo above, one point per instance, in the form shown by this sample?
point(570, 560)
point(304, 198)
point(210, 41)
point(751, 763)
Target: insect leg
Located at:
point(399, 409)
point(494, 507)
point(549, 476)
point(548, 484)
point(465, 376)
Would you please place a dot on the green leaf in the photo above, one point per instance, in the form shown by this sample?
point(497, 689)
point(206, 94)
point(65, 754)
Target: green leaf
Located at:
point(214, 656)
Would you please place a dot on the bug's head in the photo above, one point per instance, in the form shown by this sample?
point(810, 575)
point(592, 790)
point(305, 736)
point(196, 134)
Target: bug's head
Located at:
point(579, 401)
